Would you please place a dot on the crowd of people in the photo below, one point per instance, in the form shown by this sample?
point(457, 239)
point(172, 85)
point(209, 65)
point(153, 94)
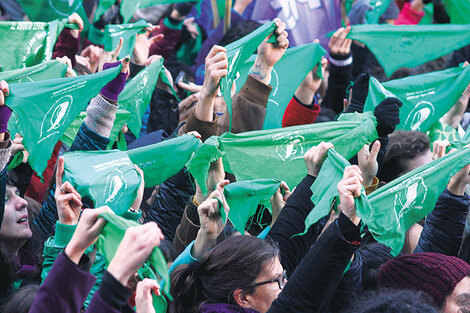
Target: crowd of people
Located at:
point(50, 259)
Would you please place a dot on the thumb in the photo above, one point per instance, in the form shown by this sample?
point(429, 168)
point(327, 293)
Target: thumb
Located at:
point(375, 150)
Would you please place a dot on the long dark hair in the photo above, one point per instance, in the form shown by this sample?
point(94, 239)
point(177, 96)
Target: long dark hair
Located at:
point(232, 264)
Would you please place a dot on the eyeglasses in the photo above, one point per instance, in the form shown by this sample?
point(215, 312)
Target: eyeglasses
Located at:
point(281, 281)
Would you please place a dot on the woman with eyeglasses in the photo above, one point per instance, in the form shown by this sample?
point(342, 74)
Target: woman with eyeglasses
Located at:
point(244, 274)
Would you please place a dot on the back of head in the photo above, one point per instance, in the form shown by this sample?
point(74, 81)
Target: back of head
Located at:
point(233, 264)
point(392, 302)
point(238, 31)
point(403, 145)
point(373, 256)
point(21, 301)
point(433, 273)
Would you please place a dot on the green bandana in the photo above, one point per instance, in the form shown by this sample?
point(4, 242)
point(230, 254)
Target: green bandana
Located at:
point(426, 98)
point(47, 70)
point(128, 7)
point(278, 153)
point(378, 8)
point(162, 160)
point(46, 108)
point(243, 198)
point(128, 32)
point(409, 198)
point(441, 131)
point(458, 10)
point(122, 116)
point(137, 94)
point(108, 243)
point(325, 189)
point(107, 177)
point(237, 53)
point(285, 79)
point(397, 46)
point(26, 43)
point(49, 10)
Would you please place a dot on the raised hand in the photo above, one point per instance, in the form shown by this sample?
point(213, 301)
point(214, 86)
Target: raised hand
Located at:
point(339, 44)
point(270, 53)
point(134, 250)
point(368, 162)
point(315, 157)
point(278, 201)
point(143, 43)
point(88, 229)
point(143, 295)
point(350, 188)
point(68, 200)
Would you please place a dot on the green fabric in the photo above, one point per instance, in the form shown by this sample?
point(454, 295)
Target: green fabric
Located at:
point(17, 160)
point(458, 11)
point(409, 198)
point(397, 46)
point(428, 16)
point(278, 153)
point(107, 177)
point(243, 198)
point(121, 142)
point(48, 10)
point(378, 8)
point(47, 70)
point(26, 43)
point(71, 132)
point(137, 94)
point(46, 108)
point(285, 79)
point(237, 53)
point(128, 7)
point(426, 98)
point(162, 160)
point(122, 116)
point(109, 241)
point(325, 189)
point(441, 131)
point(128, 32)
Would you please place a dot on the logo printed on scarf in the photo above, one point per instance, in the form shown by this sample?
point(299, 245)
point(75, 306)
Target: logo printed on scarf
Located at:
point(55, 117)
point(410, 197)
point(64, 7)
point(115, 186)
point(290, 146)
point(419, 115)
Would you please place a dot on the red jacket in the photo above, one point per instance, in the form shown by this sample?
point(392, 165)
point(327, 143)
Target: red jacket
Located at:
point(298, 114)
point(408, 16)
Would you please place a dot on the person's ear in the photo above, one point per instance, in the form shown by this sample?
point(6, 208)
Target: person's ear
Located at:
point(242, 299)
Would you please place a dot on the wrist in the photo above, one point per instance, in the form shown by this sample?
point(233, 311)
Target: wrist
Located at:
point(261, 71)
point(353, 217)
point(118, 273)
point(73, 253)
point(457, 188)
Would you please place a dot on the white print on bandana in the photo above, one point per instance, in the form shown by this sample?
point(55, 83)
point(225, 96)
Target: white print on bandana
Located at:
point(55, 117)
point(64, 7)
point(411, 197)
point(289, 146)
point(115, 186)
point(419, 116)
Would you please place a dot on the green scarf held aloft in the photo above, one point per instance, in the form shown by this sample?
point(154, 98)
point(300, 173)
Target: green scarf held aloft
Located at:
point(243, 198)
point(378, 8)
point(285, 79)
point(71, 132)
point(458, 11)
point(27, 44)
point(106, 177)
point(128, 7)
point(325, 189)
point(162, 160)
point(46, 108)
point(441, 131)
point(397, 46)
point(237, 53)
point(47, 70)
point(278, 153)
point(128, 32)
point(108, 243)
point(426, 98)
point(49, 10)
point(138, 92)
point(409, 198)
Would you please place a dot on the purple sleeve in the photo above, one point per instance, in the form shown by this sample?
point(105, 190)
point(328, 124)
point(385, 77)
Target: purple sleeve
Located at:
point(65, 288)
point(111, 297)
point(67, 45)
